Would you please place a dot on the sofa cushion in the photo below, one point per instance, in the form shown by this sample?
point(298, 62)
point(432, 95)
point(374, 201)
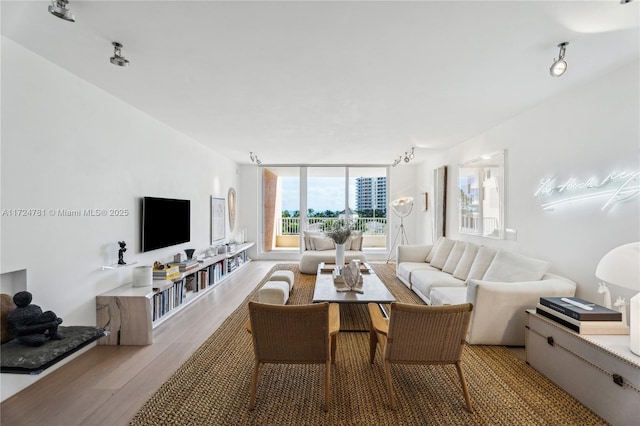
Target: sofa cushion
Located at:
point(423, 280)
point(454, 257)
point(481, 263)
point(448, 295)
point(356, 240)
point(307, 238)
point(512, 267)
point(442, 253)
point(433, 249)
point(405, 269)
point(322, 243)
point(464, 265)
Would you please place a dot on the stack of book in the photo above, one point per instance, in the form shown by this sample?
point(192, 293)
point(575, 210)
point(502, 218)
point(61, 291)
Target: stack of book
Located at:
point(582, 316)
point(168, 273)
point(186, 265)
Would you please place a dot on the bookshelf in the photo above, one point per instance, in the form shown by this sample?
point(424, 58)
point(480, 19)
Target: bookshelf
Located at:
point(131, 313)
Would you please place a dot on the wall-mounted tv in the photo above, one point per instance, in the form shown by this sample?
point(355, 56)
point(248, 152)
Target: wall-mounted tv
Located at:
point(165, 222)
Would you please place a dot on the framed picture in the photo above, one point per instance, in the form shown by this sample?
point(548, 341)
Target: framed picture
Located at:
point(231, 197)
point(217, 219)
point(440, 202)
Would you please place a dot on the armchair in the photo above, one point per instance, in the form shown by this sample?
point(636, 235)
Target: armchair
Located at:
point(417, 334)
point(293, 334)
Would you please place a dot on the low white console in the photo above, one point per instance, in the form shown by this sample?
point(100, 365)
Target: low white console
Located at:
point(131, 313)
point(598, 370)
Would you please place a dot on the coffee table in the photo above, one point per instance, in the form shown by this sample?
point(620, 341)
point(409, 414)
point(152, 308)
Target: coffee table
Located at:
point(374, 290)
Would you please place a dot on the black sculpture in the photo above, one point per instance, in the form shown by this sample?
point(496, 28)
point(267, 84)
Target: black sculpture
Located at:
point(29, 325)
point(121, 253)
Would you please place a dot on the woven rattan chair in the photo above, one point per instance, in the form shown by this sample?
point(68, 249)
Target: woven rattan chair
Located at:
point(294, 334)
point(419, 334)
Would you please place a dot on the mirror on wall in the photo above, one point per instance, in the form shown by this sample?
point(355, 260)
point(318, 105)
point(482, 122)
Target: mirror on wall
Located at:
point(481, 196)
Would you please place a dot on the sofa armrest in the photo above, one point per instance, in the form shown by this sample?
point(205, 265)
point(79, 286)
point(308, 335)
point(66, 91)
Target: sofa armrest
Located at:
point(498, 316)
point(412, 253)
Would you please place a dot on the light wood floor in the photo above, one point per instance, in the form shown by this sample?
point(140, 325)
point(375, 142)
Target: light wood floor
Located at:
point(107, 385)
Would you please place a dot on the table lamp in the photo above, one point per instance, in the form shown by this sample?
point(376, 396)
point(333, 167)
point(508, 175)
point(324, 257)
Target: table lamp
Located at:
point(621, 267)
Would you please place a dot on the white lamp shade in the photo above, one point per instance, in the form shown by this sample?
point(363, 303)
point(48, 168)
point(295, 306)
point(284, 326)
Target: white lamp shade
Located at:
point(402, 206)
point(621, 266)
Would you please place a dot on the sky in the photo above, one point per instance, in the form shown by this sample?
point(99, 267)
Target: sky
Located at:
point(326, 193)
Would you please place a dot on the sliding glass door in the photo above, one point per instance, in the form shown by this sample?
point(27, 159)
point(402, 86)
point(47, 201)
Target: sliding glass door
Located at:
point(296, 199)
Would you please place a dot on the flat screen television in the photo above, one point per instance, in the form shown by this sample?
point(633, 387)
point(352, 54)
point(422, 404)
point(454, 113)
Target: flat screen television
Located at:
point(165, 222)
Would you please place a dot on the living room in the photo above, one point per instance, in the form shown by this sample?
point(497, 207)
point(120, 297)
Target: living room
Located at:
point(68, 144)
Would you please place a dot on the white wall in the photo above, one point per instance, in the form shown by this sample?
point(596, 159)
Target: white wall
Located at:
point(69, 145)
point(584, 133)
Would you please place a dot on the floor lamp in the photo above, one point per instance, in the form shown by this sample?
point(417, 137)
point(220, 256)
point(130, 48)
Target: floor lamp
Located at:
point(402, 208)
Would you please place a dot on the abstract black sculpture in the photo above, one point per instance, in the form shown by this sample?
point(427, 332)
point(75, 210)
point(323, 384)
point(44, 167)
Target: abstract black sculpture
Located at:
point(29, 325)
point(121, 253)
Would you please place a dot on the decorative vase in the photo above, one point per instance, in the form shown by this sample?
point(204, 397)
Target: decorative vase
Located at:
point(142, 276)
point(340, 255)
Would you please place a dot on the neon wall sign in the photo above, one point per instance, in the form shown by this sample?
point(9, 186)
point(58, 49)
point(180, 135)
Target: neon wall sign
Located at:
point(615, 188)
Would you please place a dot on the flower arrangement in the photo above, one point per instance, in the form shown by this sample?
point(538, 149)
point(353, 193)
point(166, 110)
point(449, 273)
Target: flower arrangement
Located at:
point(339, 232)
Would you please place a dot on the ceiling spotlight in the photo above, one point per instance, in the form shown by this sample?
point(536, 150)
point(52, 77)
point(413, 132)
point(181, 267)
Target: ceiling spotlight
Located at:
point(254, 158)
point(117, 58)
point(625, 1)
point(559, 66)
point(412, 155)
point(59, 8)
point(406, 157)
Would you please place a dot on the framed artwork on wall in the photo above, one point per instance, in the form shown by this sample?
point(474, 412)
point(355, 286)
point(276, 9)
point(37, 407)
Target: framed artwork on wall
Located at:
point(231, 198)
point(439, 202)
point(217, 219)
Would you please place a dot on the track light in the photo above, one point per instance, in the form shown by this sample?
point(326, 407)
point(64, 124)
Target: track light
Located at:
point(117, 58)
point(59, 8)
point(406, 157)
point(559, 66)
point(254, 158)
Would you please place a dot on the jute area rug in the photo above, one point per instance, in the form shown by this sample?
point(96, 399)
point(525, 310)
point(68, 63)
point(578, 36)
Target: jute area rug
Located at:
point(212, 387)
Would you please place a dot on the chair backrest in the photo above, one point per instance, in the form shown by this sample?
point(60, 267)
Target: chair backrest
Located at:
point(431, 334)
point(290, 333)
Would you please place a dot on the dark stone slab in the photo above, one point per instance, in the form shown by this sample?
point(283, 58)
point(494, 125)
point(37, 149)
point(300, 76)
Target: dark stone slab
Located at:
point(21, 359)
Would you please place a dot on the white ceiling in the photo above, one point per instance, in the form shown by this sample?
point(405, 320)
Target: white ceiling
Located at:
point(326, 82)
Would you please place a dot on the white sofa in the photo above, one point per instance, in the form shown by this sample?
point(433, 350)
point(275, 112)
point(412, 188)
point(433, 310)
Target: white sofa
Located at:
point(319, 248)
point(500, 284)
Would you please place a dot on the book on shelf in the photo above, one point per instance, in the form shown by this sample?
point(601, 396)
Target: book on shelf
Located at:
point(184, 263)
point(582, 327)
point(167, 273)
point(579, 309)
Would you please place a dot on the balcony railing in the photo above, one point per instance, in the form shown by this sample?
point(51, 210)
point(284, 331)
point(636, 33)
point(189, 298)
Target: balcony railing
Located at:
point(368, 225)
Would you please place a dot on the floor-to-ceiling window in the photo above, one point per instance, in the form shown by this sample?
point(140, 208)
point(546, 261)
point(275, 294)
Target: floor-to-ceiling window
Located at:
point(296, 199)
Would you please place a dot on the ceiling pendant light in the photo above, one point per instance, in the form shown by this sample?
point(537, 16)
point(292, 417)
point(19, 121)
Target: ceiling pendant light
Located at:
point(117, 58)
point(559, 67)
point(59, 8)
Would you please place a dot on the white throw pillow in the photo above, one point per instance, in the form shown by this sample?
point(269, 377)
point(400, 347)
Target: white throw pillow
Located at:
point(510, 267)
point(464, 265)
point(356, 240)
point(433, 249)
point(308, 244)
point(481, 263)
point(442, 253)
point(454, 257)
point(322, 243)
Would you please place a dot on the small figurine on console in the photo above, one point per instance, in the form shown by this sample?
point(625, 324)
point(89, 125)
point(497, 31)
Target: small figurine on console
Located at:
point(121, 253)
point(29, 324)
